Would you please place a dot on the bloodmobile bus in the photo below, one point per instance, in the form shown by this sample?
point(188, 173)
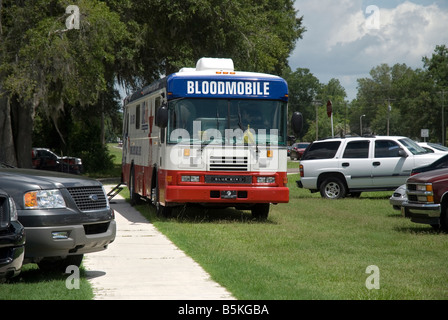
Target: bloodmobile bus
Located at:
point(208, 135)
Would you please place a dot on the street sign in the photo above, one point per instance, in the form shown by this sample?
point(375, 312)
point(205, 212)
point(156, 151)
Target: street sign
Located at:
point(329, 108)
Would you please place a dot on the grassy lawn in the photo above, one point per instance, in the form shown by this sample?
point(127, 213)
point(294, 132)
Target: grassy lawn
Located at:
point(309, 248)
point(313, 248)
point(33, 284)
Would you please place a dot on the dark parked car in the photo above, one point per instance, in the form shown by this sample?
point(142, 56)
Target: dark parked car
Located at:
point(399, 195)
point(427, 200)
point(45, 159)
point(297, 150)
point(12, 238)
point(64, 215)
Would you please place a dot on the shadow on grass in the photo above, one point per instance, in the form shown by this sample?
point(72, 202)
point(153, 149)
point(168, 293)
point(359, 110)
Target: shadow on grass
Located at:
point(201, 214)
point(395, 215)
point(32, 274)
point(424, 230)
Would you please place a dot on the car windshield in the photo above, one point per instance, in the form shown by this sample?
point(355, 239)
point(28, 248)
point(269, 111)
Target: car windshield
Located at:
point(438, 147)
point(412, 146)
point(227, 121)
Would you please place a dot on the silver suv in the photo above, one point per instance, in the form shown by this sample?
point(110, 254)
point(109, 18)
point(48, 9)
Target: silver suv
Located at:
point(348, 166)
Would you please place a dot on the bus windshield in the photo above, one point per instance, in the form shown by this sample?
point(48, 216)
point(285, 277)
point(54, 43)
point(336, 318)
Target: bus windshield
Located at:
point(227, 121)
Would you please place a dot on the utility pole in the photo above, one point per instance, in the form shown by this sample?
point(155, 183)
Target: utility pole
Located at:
point(389, 108)
point(316, 104)
point(443, 116)
point(360, 124)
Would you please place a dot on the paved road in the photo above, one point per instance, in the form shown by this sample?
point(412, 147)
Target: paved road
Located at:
point(142, 264)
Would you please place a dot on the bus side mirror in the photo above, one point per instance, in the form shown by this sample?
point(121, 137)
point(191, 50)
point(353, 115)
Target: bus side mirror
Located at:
point(162, 116)
point(297, 122)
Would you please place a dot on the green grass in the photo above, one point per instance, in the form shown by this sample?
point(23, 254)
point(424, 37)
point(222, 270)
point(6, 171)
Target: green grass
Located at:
point(309, 248)
point(313, 248)
point(33, 284)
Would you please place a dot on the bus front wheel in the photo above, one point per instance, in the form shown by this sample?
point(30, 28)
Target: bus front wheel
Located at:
point(260, 211)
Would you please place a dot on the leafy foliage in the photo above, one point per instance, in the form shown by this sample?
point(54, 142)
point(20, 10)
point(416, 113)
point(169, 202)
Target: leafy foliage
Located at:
point(50, 72)
point(416, 98)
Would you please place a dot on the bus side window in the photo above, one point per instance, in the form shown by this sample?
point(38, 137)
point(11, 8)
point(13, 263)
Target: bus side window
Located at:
point(126, 124)
point(137, 117)
point(158, 103)
point(157, 106)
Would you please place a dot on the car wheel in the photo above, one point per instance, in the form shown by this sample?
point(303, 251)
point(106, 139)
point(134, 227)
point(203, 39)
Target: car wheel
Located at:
point(60, 264)
point(444, 220)
point(260, 211)
point(332, 188)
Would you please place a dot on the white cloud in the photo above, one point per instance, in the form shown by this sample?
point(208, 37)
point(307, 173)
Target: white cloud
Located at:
point(338, 43)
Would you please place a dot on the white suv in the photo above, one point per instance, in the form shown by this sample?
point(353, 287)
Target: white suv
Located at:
point(347, 166)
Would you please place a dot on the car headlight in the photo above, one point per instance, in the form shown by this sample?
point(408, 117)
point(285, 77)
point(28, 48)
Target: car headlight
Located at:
point(46, 199)
point(13, 210)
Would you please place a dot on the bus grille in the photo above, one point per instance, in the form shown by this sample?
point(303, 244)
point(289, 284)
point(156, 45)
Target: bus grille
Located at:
point(223, 163)
point(89, 198)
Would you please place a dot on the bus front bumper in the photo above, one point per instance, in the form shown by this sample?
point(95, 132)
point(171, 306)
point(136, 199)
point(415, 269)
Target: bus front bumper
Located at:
point(225, 194)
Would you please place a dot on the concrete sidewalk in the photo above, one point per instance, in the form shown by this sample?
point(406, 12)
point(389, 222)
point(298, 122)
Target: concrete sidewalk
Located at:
point(143, 264)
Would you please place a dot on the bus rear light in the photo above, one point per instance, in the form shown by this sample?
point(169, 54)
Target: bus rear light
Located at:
point(186, 152)
point(270, 153)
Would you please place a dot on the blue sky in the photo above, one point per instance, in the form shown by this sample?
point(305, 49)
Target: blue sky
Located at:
point(345, 41)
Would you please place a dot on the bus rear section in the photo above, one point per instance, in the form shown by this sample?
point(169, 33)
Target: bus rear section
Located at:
point(211, 136)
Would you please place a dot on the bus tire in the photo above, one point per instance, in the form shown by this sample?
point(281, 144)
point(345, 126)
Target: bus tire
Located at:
point(133, 196)
point(260, 211)
point(161, 210)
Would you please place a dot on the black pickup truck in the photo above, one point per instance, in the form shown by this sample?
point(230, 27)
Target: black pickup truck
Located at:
point(12, 238)
point(64, 215)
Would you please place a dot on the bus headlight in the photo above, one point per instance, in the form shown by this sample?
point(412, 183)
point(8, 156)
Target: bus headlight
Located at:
point(190, 179)
point(265, 179)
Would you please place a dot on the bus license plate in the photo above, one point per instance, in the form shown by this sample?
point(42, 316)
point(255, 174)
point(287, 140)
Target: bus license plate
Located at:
point(228, 194)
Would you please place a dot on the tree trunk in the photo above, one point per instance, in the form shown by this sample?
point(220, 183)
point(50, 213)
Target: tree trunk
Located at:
point(7, 150)
point(23, 121)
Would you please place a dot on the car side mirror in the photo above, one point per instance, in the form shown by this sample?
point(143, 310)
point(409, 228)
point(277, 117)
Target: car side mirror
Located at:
point(402, 153)
point(162, 116)
point(297, 122)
